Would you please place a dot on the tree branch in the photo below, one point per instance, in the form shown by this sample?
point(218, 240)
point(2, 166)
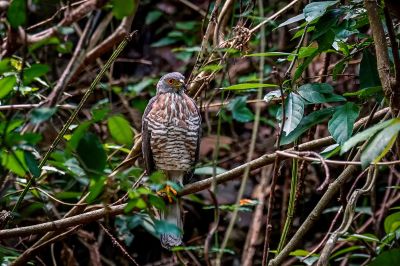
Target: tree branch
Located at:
point(382, 55)
point(202, 185)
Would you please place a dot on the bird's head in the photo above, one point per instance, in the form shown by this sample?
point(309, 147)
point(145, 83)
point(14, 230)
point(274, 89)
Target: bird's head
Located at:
point(171, 82)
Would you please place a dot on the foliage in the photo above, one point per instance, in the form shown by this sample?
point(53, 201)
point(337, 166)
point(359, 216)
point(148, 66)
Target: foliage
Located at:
point(310, 75)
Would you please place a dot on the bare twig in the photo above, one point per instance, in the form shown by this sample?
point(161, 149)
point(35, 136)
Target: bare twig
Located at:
point(73, 64)
point(348, 216)
point(116, 243)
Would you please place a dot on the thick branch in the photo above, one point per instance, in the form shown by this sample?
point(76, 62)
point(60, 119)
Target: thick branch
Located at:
point(64, 223)
point(382, 55)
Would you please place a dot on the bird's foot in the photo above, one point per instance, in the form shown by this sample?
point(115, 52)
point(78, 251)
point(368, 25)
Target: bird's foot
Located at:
point(168, 194)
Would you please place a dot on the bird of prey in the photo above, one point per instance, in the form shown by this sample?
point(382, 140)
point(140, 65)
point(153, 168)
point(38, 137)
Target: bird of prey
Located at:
point(171, 129)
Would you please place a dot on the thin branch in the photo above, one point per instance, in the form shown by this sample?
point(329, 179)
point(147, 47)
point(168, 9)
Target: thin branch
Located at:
point(274, 16)
point(348, 216)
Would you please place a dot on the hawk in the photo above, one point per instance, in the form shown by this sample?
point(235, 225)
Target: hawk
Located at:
point(171, 129)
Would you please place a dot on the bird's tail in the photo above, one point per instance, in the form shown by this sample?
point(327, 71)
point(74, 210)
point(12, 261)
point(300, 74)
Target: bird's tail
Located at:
point(173, 215)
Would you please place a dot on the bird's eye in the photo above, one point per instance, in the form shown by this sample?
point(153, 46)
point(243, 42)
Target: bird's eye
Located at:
point(170, 81)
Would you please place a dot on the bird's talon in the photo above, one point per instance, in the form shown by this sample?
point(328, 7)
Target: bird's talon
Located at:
point(168, 194)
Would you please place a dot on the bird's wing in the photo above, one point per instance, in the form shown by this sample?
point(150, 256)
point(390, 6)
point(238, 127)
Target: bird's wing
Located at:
point(188, 176)
point(146, 134)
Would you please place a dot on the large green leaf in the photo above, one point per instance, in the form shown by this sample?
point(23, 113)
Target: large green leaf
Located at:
point(6, 85)
point(311, 93)
point(342, 122)
point(41, 114)
point(369, 76)
point(315, 10)
point(294, 111)
point(380, 145)
point(392, 222)
point(35, 71)
point(366, 134)
point(79, 132)
point(16, 13)
point(307, 122)
point(120, 130)
point(5, 65)
point(239, 110)
point(389, 257)
point(91, 153)
point(14, 161)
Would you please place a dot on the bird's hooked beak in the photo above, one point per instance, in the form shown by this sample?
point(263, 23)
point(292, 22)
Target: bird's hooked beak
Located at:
point(183, 85)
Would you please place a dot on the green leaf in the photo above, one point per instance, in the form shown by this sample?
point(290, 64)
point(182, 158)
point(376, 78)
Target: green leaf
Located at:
point(326, 23)
point(91, 153)
point(239, 110)
point(319, 93)
point(14, 161)
point(123, 8)
point(7, 85)
point(366, 93)
point(32, 164)
point(310, 93)
point(96, 188)
point(5, 65)
point(246, 86)
point(330, 151)
point(389, 257)
point(34, 71)
point(157, 202)
point(380, 145)
point(41, 114)
point(369, 76)
point(392, 222)
point(307, 51)
point(272, 95)
point(366, 134)
point(120, 130)
point(300, 69)
point(294, 111)
point(163, 227)
point(345, 250)
point(16, 13)
point(307, 122)
point(342, 122)
point(292, 20)
point(316, 10)
point(79, 132)
point(365, 237)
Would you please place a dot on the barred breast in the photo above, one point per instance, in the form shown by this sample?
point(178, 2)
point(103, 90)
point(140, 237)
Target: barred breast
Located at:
point(173, 123)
